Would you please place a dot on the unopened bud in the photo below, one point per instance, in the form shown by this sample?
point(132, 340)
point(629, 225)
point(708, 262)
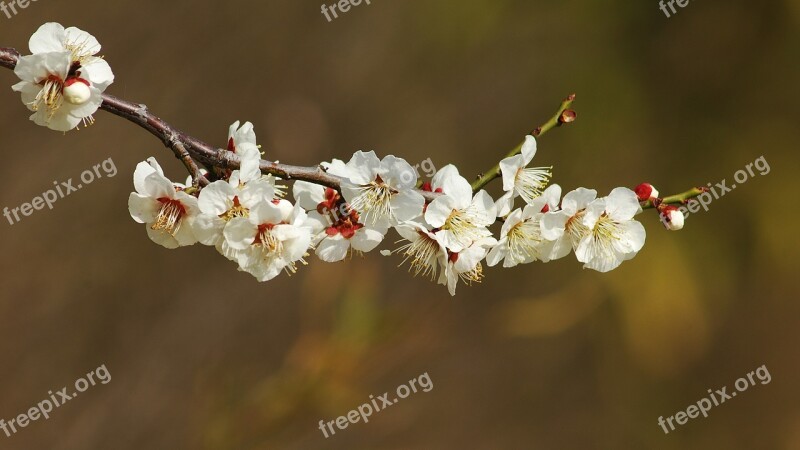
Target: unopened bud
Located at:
point(672, 218)
point(76, 91)
point(646, 191)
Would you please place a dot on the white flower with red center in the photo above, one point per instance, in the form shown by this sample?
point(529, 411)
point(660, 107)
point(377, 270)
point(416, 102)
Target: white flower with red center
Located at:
point(242, 142)
point(565, 227)
point(466, 264)
point(519, 180)
point(603, 232)
point(337, 228)
point(222, 201)
point(382, 192)
point(423, 250)
point(273, 238)
point(63, 80)
point(164, 207)
point(458, 217)
point(521, 240)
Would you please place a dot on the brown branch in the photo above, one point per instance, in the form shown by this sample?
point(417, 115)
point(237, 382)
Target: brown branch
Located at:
point(199, 150)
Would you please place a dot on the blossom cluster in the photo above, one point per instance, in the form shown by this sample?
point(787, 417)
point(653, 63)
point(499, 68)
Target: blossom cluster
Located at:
point(445, 224)
point(247, 218)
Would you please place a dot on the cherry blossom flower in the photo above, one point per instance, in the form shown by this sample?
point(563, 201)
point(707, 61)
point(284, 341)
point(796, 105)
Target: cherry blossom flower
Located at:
point(423, 250)
point(382, 192)
point(466, 264)
point(601, 231)
point(519, 180)
point(521, 240)
point(164, 207)
point(273, 238)
point(459, 217)
point(338, 228)
point(63, 80)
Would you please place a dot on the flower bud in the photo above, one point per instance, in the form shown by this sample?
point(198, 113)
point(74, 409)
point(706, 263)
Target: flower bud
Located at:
point(76, 91)
point(646, 191)
point(672, 218)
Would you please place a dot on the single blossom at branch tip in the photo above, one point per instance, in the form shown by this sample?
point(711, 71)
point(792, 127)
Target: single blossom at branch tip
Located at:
point(62, 81)
point(519, 180)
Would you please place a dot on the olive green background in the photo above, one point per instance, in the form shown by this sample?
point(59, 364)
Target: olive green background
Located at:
point(541, 356)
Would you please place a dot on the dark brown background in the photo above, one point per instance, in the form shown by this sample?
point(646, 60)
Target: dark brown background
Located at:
point(544, 356)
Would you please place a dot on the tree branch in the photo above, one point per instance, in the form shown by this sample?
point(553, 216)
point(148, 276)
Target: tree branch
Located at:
point(562, 116)
point(196, 148)
point(677, 199)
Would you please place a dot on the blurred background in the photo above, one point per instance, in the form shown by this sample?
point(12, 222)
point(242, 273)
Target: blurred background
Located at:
point(545, 356)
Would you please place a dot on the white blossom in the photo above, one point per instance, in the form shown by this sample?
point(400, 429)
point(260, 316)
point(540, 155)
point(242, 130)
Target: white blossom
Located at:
point(164, 207)
point(521, 239)
point(519, 180)
point(382, 192)
point(63, 80)
point(459, 217)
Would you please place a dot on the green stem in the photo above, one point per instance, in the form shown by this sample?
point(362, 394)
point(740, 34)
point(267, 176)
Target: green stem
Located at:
point(554, 121)
point(677, 199)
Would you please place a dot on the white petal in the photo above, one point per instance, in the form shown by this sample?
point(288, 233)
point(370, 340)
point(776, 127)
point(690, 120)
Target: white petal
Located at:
point(483, 209)
point(308, 195)
point(266, 213)
point(504, 204)
point(407, 205)
point(98, 72)
point(622, 204)
point(87, 43)
point(577, 200)
point(509, 168)
point(553, 225)
point(398, 173)
point(162, 238)
point(454, 186)
point(333, 248)
point(240, 233)
point(528, 149)
point(142, 208)
point(208, 229)
point(255, 192)
point(439, 210)
point(364, 167)
point(366, 239)
point(158, 186)
point(49, 37)
point(216, 198)
point(497, 254)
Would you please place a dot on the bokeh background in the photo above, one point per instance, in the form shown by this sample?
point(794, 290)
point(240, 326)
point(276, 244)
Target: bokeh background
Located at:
point(541, 356)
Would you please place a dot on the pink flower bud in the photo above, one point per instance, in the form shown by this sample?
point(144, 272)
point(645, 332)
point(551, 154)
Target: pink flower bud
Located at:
point(646, 191)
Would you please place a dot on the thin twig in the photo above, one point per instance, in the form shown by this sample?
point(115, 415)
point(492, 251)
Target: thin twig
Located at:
point(562, 116)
